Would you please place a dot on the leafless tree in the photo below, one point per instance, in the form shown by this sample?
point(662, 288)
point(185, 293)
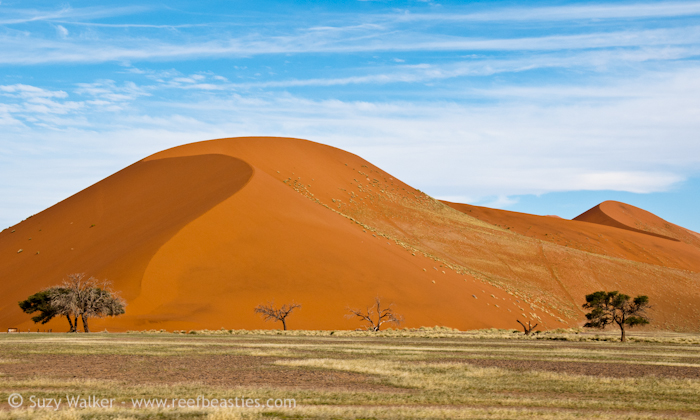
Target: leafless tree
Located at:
point(527, 329)
point(376, 316)
point(270, 313)
point(68, 302)
point(86, 298)
point(57, 296)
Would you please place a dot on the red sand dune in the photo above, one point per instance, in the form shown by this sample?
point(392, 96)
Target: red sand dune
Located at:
point(625, 216)
point(198, 235)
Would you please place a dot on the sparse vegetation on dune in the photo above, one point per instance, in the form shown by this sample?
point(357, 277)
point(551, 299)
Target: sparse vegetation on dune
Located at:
point(422, 374)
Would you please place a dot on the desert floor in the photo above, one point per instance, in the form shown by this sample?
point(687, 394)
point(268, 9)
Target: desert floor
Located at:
point(427, 373)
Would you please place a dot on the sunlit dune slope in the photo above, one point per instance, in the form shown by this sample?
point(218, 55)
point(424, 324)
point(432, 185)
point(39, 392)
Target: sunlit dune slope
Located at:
point(198, 235)
point(583, 257)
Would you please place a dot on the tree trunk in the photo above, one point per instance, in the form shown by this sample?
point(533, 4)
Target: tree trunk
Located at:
point(85, 324)
point(72, 328)
point(284, 324)
point(622, 335)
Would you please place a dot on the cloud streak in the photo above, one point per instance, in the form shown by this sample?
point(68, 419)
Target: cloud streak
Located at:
point(566, 13)
point(23, 16)
point(28, 49)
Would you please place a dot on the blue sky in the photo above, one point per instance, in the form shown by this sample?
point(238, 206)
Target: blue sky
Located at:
point(541, 107)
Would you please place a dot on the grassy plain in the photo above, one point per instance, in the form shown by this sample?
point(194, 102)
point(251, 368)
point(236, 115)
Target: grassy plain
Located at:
point(421, 374)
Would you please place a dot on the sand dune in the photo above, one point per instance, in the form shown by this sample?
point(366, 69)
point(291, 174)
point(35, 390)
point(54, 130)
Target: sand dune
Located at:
point(197, 235)
point(625, 216)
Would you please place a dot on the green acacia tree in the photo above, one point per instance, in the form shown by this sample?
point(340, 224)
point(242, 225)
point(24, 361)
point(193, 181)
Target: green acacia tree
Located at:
point(41, 302)
point(616, 308)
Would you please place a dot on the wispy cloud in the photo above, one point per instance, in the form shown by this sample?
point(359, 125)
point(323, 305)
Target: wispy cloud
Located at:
point(62, 31)
point(26, 50)
point(566, 12)
point(486, 66)
point(30, 92)
point(14, 16)
point(109, 91)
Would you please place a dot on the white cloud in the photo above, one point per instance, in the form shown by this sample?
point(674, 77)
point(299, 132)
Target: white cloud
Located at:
point(27, 91)
point(637, 182)
point(62, 31)
point(109, 91)
point(20, 16)
point(567, 12)
point(425, 72)
point(32, 50)
point(502, 201)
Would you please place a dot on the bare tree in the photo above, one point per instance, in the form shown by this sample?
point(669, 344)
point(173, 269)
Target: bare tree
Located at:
point(86, 298)
point(527, 329)
point(270, 313)
point(100, 302)
point(68, 302)
point(376, 316)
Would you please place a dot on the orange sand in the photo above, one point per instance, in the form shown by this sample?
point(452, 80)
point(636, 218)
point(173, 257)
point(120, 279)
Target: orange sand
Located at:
point(198, 235)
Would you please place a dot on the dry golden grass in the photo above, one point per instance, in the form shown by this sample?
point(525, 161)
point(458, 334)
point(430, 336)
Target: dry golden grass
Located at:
point(423, 376)
point(333, 412)
point(561, 334)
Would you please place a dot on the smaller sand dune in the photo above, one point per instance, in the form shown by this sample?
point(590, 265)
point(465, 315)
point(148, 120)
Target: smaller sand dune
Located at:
point(629, 217)
point(597, 232)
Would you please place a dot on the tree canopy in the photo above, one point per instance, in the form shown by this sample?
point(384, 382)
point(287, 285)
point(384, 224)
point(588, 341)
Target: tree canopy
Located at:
point(41, 302)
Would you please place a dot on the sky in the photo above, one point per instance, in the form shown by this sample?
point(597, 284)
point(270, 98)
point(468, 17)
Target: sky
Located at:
point(538, 107)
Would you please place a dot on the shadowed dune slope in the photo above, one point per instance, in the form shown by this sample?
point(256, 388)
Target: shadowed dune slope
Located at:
point(198, 235)
point(113, 228)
